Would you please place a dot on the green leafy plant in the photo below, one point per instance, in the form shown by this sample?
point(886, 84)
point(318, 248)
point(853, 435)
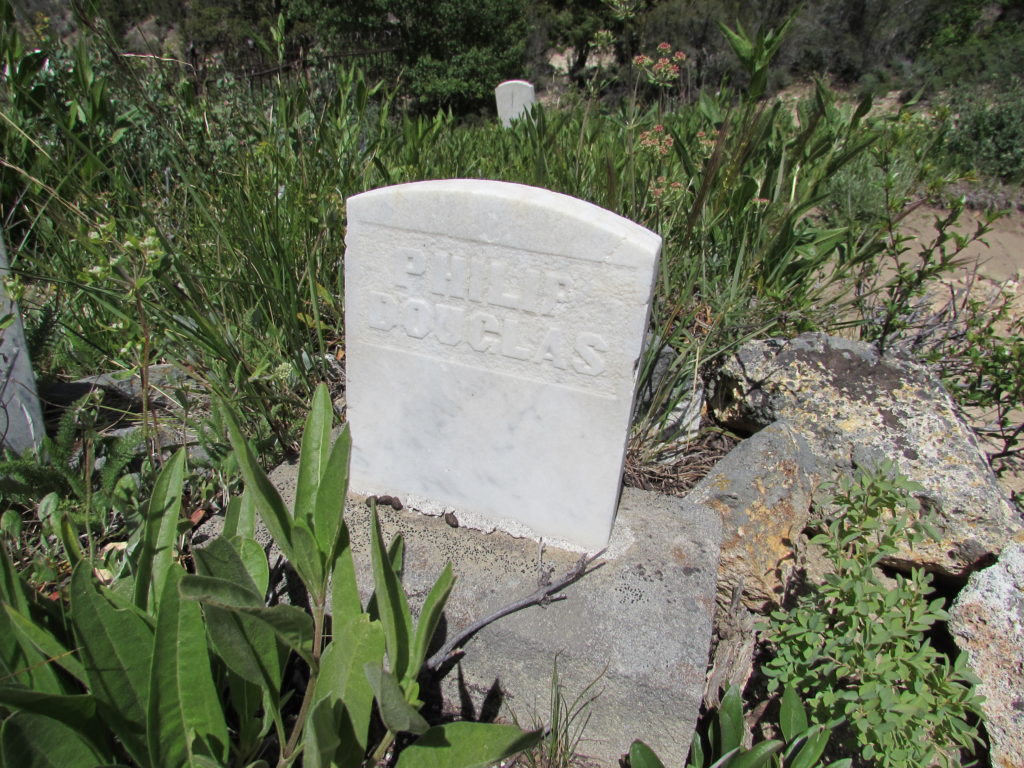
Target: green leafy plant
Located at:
point(152, 670)
point(853, 645)
point(721, 743)
point(82, 482)
point(982, 373)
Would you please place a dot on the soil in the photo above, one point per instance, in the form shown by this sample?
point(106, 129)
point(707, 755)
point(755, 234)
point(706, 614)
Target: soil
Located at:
point(1001, 261)
point(991, 265)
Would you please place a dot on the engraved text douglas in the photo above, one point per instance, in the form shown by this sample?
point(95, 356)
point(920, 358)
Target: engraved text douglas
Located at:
point(488, 304)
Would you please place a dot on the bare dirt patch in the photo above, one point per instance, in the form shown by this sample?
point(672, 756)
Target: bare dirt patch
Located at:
point(992, 266)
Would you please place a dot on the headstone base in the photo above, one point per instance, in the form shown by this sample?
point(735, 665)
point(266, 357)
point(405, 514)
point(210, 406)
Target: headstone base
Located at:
point(638, 627)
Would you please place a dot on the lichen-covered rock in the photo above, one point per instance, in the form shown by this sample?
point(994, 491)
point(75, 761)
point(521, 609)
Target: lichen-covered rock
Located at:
point(987, 621)
point(762, 491)
point(856, 408)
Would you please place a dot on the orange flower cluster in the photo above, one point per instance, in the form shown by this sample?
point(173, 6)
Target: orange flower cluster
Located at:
point(657, 140)
point(659, 187)
point(664, 70)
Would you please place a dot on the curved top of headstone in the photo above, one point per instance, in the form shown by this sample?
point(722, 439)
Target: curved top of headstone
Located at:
point(493, 212)
point(514, 82)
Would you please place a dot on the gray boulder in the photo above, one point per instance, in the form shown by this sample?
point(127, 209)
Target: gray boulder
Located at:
point(762, 491)
point(856, 408)
point(987, 621)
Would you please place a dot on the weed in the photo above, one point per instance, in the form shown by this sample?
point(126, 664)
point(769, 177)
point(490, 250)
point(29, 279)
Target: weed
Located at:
point(852, 646)
point(565, 727)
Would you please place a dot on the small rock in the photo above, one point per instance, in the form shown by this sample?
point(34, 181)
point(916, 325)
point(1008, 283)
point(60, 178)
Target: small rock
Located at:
point(987, 622)
point(763, 491)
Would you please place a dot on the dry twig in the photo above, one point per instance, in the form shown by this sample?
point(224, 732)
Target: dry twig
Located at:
point(544, 594)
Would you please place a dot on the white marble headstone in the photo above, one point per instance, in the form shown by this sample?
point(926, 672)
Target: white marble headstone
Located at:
point(492, 338)
point(514, 99)
point(21, 422)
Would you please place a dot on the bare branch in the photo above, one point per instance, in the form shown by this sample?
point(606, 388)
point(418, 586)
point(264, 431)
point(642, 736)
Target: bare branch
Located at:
point(544, 594)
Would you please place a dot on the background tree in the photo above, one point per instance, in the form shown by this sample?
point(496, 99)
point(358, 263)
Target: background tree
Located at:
point(456, 51)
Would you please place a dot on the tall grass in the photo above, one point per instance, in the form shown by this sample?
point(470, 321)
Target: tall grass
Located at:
point(155, 219)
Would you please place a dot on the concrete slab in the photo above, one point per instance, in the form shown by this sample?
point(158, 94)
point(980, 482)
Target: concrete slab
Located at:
point(638, 628)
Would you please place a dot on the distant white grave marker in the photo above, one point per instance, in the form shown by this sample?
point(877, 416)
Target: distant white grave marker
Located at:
point(514, 99)
point(21, 421)
point(493, 332)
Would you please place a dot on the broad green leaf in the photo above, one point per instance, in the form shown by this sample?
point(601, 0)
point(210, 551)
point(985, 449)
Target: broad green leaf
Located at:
point(253, 711)
point(466, 745)
point(27, 631)
point(248, 646)
point(159, 533)
point(391, 601)
point(222, 558)
point(115, 640)
point(240, 519)
point(293, 626)
point(396, 556)
point(812, 749)
point(221, 592)
point(33, 741)
point(730, 721)
point(756, 756)
point(184, 713)
point(265, 496)
point(345, 603)
point(342, 678)
point(69, 539)
point(329, 739)
point(642, 756)
point(12, 589)
point(792, 717)
point(696, 757)
point(254, 558)
point(328, 520)
point(20, 661)
point(398, 715)
point(313, 456)
point(309, 562)
point(77, 712)
point(741, 45)
point(430, 617)
point(321, 736)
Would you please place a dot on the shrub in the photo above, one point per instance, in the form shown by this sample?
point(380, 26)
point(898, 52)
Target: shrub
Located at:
point(988, 131)
point(853, 645)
